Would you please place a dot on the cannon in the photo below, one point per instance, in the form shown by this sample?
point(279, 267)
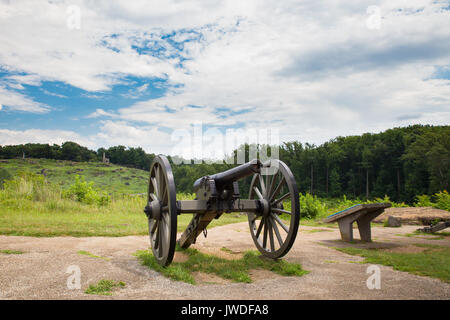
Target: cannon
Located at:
point(272, 206)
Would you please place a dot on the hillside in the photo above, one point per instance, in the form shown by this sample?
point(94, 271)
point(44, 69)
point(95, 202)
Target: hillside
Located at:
point(108, 177)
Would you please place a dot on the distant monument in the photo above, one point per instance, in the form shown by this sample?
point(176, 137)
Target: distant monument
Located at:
point(105, 159)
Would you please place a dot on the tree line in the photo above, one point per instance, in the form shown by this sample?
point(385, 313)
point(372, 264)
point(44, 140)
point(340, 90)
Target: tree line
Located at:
point(400, 163)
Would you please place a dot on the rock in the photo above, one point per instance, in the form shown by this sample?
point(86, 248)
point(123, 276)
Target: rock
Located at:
point(392, 222)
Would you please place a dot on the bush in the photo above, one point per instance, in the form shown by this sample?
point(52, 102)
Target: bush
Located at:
point(4, 175)
point(311, 206)
point(84, 192)
point(442, 200)
point(423, 201)
point(31, 186)
point(386, 199)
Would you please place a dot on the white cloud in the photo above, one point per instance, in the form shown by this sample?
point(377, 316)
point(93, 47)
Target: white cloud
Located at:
point(18, 102)
point(312, 69)
point(12, 137)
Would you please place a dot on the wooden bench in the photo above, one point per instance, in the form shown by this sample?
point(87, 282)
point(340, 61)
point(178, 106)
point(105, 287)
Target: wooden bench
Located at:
point(363, 214)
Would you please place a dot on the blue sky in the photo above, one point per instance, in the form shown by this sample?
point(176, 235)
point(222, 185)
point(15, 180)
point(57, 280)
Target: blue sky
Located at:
point(113, 72)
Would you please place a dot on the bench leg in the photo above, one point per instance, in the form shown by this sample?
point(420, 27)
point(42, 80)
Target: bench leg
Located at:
point(364, 229)
point(364, 225)
point(346, 229)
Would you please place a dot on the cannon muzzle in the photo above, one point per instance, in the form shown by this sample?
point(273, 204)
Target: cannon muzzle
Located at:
point(234, 174)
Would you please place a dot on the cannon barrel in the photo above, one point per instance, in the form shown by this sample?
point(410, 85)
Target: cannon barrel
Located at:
point(229, 176)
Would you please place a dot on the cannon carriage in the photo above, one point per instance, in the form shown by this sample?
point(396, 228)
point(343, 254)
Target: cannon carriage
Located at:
point(272, 206)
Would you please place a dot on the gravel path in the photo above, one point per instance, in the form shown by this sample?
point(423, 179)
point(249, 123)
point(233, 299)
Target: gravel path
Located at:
point(40, 272)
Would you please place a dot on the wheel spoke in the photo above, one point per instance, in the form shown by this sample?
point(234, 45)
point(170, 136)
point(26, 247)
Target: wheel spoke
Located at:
point(272, 185)
point(263, 186)
point(153, 196)
point(286, 195)
point(158, 180)
point(164, 237)
point(165, 217)
point(258, 193)
point(164, 197)
point(265, 234)
point(277, 219)
point(162, 186)
point(272, 244)
point(153, 226)
point(157, 236)
point(155, 186)
point(161, 244)
point(260, 227)
point(280, 211)
point(277, 189)
point(277, 233)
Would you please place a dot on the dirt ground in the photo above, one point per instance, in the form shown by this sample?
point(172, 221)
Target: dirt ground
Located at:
point(41, 271)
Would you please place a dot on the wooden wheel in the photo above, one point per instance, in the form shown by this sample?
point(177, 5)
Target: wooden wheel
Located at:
point(161, 210)
point(275, 228)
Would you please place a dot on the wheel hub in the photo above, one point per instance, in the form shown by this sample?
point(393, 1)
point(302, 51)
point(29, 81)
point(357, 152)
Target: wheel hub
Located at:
point(153, 210)
point(265, 207)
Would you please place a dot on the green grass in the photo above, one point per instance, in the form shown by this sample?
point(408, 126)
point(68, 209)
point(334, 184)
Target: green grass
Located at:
point(330, 261)
point(235, 270)
point(428, 236)
point(226, 250)
point(104, 287)
point(120, 218)
point(44, 212)
point(34, 207)
point(316, 230)
point(434, 261)
point(11, 251)
point(111, 178)
point(87, 253)
point(317, 223)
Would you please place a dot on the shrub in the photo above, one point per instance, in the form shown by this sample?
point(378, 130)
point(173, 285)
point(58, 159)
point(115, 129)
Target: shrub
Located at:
point(311, 206)
point(84, 192)
point(386, 199)
point(442, 200)
point(423, 201)
point(31, 186)
point(4, 175)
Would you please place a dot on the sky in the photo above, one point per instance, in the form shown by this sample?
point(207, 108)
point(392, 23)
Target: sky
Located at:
point(137, 73)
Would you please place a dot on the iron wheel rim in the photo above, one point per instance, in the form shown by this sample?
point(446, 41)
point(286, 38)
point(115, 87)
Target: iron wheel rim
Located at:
point(162, 231)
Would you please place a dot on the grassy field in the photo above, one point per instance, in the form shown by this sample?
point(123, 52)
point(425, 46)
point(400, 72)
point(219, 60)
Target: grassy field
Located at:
point(35, 205)
point(234, 270)
point(433, 261)
point(43, 200)
point(104, 287)
point(108, 177)
point(41, 209)
point(122, 217)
